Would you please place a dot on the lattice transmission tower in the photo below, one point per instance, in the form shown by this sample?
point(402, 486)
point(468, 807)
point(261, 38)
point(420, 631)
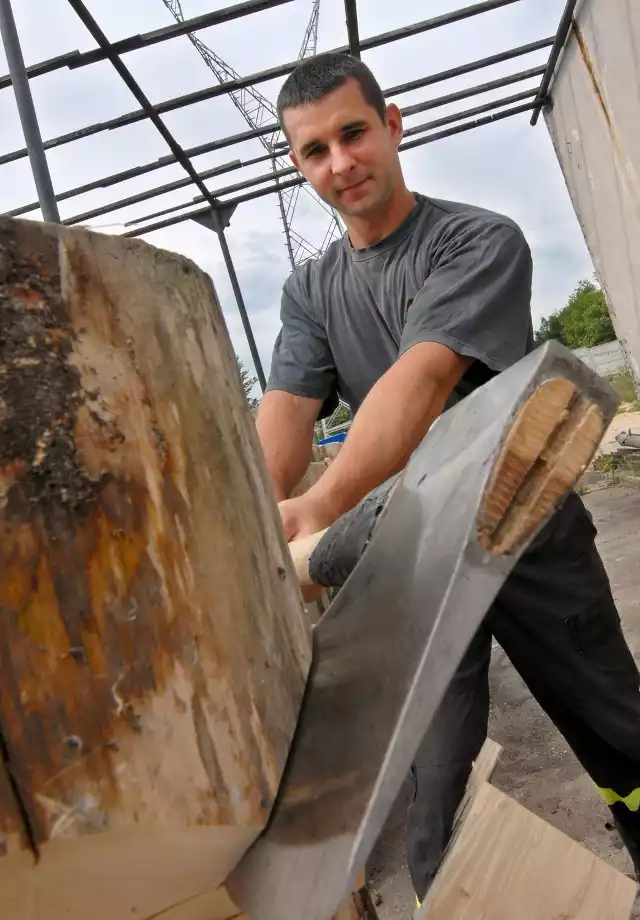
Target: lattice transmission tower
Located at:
point(257, 112)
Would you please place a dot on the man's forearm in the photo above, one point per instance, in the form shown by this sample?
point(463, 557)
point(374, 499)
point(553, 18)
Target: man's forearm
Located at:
point(285, 428)
point(389, 425)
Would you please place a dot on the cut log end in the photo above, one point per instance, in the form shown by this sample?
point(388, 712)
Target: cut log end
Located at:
point(552, 440)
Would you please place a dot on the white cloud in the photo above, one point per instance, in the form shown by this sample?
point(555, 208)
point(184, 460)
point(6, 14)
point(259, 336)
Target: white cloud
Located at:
point(509, 166)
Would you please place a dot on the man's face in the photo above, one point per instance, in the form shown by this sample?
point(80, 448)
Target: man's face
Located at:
point(344, 149)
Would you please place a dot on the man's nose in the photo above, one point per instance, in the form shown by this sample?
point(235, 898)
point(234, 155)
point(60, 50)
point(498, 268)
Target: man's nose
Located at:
point(342, 160)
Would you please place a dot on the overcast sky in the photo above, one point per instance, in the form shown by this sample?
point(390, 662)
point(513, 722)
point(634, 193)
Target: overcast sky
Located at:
point(508, 167)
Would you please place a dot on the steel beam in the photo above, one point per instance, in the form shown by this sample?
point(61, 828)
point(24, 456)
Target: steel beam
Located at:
point(467, 126)
point(408, 145)
point(232, 85)
point(72, 58)
point(239, 186)
point(232, 139)
point(265, 177)
point(152, 193)
point(218, 219)
point(560, 39)
point(75, 59)
point(473, 91)
point(135, 42)
point(27, 113)
point(239, 199)
point(101, 39)
point(500, 58)
point(351, 11)
point(37, 70)
point(470, 113)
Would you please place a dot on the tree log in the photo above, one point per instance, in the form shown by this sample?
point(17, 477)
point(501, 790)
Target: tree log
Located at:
point(153, 649)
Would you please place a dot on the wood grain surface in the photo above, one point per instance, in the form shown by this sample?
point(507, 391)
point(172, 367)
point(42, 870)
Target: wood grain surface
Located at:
point(153, 650)
point(507, 863)
point(551, 442)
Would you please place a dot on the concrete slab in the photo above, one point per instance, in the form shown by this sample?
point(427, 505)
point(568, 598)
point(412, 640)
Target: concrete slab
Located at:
point(625, 421)
point(537, 767)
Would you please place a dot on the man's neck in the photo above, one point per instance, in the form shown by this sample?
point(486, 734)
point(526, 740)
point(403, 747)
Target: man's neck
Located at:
point(366, 231)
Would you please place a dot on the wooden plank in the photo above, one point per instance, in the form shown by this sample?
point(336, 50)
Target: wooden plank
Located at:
point(358, 906)
point(210, 905)
point(507, 863)
point(483, 766)
point(153, 650)
point(348, 910)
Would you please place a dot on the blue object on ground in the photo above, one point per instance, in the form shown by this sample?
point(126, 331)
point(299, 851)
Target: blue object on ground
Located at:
point(334, 438)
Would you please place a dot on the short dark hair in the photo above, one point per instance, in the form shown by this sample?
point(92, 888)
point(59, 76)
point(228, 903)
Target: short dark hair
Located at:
point(318, 76)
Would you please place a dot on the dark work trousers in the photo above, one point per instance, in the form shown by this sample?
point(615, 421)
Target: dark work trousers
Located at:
point(556, 620)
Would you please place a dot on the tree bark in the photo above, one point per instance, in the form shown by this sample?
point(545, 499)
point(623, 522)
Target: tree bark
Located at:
point(153, 649)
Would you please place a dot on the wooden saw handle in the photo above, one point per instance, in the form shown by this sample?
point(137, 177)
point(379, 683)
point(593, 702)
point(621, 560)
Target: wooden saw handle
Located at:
point(301, 551)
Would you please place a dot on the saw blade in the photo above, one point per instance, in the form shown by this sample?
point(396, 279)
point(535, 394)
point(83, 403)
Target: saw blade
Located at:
point(387, 648)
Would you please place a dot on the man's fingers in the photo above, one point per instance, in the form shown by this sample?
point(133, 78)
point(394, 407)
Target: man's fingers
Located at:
point(291, 528)
point(311, 593)
point(290, 521)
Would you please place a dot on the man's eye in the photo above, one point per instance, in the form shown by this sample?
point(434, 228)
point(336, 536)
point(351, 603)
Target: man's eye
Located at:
point(314, 152)
point(353, 134)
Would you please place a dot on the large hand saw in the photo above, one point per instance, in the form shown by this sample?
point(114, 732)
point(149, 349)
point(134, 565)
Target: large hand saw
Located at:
point(487, 477)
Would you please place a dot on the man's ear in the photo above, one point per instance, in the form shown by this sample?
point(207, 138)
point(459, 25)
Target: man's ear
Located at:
point(294, 160)
point(394, 122)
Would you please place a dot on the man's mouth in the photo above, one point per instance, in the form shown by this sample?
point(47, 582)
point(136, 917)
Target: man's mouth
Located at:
point(352, 186)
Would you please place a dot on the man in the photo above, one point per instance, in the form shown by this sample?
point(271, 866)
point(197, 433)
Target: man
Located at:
point(418, 304)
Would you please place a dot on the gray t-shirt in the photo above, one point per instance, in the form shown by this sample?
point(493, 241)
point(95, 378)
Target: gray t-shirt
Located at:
point(450, 273)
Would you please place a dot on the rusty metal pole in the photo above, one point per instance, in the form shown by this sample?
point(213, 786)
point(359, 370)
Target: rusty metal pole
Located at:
point(27, 113)
point(217, 219)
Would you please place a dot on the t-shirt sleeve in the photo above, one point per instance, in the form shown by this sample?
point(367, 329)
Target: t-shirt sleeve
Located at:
point(477, 299)
point(302, 362)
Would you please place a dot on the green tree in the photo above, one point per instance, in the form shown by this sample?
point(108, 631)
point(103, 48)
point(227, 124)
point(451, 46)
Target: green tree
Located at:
point(550, 328)
point(342, 415)
point(583, 322)
point(585, 319)
point(248, 383)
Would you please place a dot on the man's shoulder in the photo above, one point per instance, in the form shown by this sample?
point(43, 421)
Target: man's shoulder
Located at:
point(312, 275)
point(450, 217)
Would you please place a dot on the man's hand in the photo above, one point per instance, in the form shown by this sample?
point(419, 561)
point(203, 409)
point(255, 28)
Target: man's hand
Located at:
point(304, 516)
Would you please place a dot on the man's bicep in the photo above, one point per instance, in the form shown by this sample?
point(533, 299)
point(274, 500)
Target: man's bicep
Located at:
point(302, 363)
point(279, 404)
point(438, 363)
point(285, 428)
point(477, 301)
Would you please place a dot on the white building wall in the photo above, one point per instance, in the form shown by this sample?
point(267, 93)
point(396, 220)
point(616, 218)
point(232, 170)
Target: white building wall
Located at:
point(603, 359)
point(595, 128)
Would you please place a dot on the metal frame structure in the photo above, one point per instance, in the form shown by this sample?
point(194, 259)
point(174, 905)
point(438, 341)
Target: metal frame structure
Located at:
point(218, 209)
point(257, 110)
